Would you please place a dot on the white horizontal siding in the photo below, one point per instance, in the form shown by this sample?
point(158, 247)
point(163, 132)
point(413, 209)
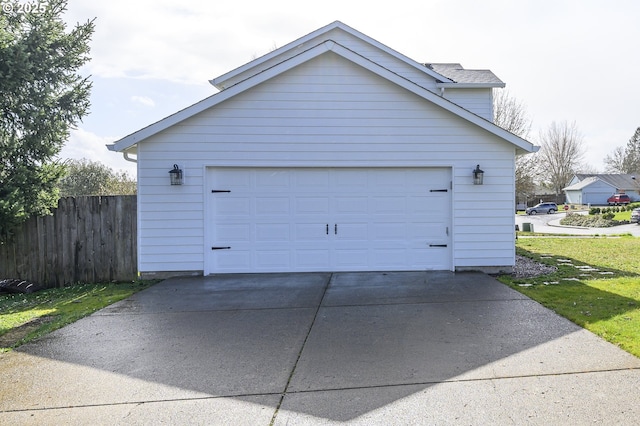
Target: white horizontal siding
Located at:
point(372, 124)
point(478, 101)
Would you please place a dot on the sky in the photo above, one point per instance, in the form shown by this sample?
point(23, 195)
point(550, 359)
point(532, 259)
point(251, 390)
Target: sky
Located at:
point(573, 61)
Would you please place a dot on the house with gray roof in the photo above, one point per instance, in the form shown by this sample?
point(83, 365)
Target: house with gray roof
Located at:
point(596, 188)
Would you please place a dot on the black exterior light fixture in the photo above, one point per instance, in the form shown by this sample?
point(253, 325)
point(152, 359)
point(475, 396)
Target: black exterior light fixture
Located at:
point(478, 175)
point(176, 175)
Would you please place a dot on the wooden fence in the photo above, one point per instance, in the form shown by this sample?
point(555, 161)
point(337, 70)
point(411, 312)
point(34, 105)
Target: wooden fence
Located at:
point(87, 239)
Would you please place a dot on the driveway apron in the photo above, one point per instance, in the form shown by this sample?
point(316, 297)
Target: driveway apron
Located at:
point(322, 348)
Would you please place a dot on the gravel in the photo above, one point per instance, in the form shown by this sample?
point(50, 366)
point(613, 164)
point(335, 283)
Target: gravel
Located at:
point(529, 268)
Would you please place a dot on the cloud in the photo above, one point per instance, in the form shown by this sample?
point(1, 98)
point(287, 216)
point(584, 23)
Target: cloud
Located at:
point(85, 144)
point(143, 100)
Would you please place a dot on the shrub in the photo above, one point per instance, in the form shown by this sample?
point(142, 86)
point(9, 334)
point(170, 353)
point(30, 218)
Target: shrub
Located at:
point(596, 221)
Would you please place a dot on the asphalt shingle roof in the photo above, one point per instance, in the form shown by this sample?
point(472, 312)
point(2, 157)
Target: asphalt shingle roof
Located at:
point(458, 74)
point(618, 181)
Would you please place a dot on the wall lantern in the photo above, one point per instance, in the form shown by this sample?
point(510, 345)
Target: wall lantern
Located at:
point(478, 175)
point(175, 175)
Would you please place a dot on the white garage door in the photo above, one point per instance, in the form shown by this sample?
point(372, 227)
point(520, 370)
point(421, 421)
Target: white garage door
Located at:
point(330, 219)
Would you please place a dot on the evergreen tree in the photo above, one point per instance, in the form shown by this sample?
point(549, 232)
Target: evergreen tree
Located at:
point(42, 96)
point(631, 163)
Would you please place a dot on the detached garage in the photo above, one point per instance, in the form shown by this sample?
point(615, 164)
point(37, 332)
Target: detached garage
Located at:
point(332, 153)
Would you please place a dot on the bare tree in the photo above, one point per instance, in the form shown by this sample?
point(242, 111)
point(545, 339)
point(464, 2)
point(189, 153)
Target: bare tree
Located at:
point(511, 115)
point(614, 162)
point(560, 154)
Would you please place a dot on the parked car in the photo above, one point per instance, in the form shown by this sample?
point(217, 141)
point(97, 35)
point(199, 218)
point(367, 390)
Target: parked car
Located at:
point(618, 199)
point(635, 216)
point(548, 208)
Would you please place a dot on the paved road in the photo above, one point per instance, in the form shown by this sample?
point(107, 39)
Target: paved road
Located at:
point(550, 224)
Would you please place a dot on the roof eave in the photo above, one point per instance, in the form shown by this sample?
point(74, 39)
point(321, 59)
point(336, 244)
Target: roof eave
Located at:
point(495, 85)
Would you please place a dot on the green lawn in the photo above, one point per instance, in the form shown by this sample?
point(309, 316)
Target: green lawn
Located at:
point(597, 284)
point(24, 317)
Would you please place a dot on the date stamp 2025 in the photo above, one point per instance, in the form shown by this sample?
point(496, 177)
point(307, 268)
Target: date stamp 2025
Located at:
point(11, 8)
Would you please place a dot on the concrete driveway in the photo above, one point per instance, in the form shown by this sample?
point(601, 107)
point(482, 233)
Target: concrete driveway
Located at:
point(321, 348)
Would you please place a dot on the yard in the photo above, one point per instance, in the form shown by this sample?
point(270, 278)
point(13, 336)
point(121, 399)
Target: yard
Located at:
point(597, 284)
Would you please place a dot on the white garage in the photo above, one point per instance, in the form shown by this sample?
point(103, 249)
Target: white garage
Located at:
point(328, 219)
point(331, 153)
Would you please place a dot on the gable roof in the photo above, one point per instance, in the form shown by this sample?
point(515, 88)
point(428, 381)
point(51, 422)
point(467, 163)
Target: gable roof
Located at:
point(582, 184)
point(616, 181)
point(302, 56)
point(322, 34)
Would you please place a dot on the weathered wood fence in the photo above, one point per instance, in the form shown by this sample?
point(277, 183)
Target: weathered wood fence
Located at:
point(87, 239)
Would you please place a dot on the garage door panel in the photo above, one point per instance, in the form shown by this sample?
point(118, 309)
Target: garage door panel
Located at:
point(312, 180)
point(236, 178)
point(351, 259)
point(427, 207)
point(311, 259)
point(388, 231)
point(233, 206)
point(351, 181)
point(388, 205)
point(273, 180)
point(313, 231)
point(350, 232)
point(428, 231)
point(277, 260)
point(328, 219)
point(273, 232)
point(232, 232)
point(305, 205)
point(232, 261)
point(390, 258)
point(352, 205)
point(272, 206)
point(389, 179)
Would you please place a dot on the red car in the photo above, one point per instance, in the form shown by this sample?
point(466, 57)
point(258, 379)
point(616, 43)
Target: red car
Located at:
point(618, 199)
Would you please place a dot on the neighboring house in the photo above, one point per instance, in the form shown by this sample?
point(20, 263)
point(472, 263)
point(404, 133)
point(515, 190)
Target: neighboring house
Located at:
point(331, 153)
point(596, 188)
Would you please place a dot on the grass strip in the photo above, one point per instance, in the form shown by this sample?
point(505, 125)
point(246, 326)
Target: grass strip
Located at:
point(25, 317)
point(597, 284)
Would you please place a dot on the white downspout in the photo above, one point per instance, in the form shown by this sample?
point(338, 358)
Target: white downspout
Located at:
point(125, 154)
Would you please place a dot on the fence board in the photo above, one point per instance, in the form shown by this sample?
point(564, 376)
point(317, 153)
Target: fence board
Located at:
point(86, 239)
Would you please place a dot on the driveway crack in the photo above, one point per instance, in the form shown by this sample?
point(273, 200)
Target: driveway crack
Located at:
point(304, 344)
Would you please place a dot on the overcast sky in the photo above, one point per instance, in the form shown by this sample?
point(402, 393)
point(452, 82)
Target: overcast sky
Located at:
point(565, 60)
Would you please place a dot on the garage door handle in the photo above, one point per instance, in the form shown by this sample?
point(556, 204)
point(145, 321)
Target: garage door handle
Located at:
point(335, 229)
point(327, 229)
point(437, 245)
point(220, 248)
